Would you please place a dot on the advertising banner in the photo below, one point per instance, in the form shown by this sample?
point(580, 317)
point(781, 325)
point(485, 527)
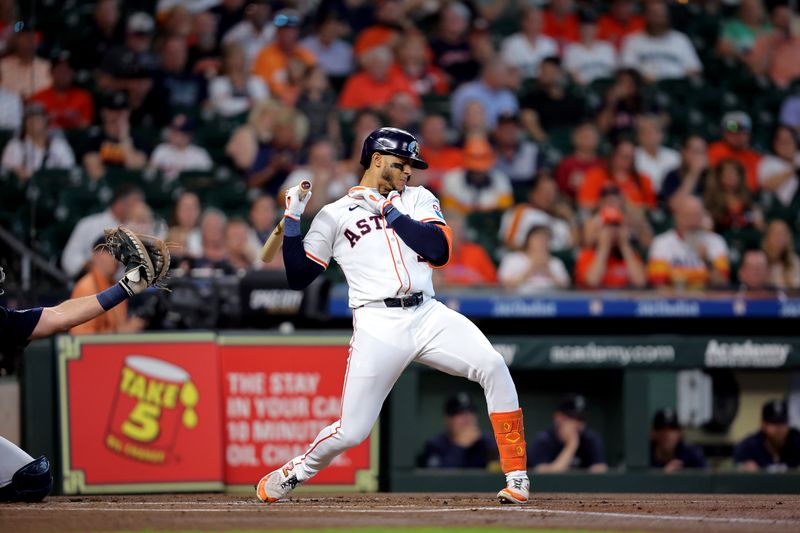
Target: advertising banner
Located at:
point(140, 413)
point(278, 393)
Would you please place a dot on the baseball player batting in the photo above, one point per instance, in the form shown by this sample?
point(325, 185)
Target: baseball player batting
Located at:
point(388, 237)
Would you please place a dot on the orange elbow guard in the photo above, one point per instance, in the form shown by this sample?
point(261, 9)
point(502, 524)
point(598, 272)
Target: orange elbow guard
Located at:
point(509, 432)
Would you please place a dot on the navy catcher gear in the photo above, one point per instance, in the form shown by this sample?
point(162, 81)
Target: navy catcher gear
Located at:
point(393, 141)
point(31, 483)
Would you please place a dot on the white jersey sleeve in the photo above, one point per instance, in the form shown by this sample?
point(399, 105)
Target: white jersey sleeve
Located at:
point(318, 242)
point(427, 207)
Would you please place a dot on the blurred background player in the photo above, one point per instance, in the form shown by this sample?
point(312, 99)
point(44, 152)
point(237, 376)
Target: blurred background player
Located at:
point(668, 451)
point(775, 447)
point(568, 444)
point(462, 444)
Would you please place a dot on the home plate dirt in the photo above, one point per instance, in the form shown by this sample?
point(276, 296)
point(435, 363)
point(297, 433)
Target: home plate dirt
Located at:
point(230, 512)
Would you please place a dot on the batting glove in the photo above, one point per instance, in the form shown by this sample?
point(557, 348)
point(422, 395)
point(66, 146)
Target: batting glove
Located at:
point(133, 282)
point(370, 199)
point(294, 205)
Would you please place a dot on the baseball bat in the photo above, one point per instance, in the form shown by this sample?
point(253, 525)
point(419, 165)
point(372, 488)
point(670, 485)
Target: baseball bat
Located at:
point(275, 239)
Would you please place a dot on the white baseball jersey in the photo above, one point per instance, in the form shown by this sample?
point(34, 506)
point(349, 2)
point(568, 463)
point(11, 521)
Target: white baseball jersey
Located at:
point(375, 261)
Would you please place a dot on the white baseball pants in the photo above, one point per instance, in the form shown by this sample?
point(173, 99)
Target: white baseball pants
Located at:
point(385, 341)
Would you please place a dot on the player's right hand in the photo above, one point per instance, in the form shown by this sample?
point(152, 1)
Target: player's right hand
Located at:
point(294, 205)
point(369, 199)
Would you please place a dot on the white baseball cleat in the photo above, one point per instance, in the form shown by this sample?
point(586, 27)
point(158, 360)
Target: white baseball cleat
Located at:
point(277, 484)
point(517, 491)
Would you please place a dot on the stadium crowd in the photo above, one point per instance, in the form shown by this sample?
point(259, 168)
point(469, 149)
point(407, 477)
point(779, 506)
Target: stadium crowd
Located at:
point(584, 144)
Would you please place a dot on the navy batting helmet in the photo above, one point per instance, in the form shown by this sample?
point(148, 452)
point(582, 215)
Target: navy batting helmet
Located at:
point(393, 141)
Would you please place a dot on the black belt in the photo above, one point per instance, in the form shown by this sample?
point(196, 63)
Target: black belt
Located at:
point(412, 300)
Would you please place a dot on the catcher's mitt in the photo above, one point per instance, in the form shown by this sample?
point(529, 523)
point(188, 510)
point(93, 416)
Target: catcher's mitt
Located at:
point(143, 253)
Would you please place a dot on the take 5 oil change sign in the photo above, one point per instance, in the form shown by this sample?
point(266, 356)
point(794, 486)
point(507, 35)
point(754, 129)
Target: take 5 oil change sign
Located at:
point(140, 413)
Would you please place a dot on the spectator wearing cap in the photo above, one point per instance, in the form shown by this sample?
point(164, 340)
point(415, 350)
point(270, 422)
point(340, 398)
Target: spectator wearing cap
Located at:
point(78, 250)
point(735, 144)
point(619, 22)
point(450, 44)
point(441, 155)
point(178, 154)
point(526, 49)
point(533, 269)
point(102, 32)
point(612, 263)
point(412, 60)
point(777, 174)
point(333, 53)
point(135, 58)
point(36, 147)
point(11, 109)
point(690, 176)
point(739, 33)
point(568, 444)
point(491, 90)
point(112, 145)
point(543, 208)
point(668, 451)
point(21, 71)
point(470, 264)
point(476, 187)
point(652, 158)
point(550, 105)
point(775, 54)
point(775, 448)
point(273, 61)
point(376, 83)
point(560, 22)
point(517, 157)
point(235, 91)
point(688, 256)
point(572, 169)
point(658, 51)
point(728, 200)
point(102, 275)
point(68, 107)
point(253, 33)
point(462, 444)
point(589, 58)
point(784, 263)
point(621, 171)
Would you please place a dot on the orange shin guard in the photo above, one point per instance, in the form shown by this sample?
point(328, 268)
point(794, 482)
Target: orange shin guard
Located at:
point(510, 435)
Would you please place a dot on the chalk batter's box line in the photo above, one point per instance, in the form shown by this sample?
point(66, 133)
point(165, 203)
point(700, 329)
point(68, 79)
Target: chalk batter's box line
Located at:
point(292, 507)
point(74, 480)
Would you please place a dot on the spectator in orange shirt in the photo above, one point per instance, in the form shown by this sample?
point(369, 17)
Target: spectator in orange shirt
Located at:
point(387, 29)
point(776, 53)
point(620, 21)
point(272, 62)
point(635, 187)
point(67, 106)
point(376, 84)
point(613, 262)
point(413, 62)
point(735, 144)
point(441, 155)
point(469, 264)
point(560, 22)
point(102, 271)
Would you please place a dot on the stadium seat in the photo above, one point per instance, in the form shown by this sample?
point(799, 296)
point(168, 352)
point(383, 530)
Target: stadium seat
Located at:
point(483, 228)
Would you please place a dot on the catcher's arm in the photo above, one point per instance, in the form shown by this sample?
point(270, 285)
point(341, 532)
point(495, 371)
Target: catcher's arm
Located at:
point(275, 240)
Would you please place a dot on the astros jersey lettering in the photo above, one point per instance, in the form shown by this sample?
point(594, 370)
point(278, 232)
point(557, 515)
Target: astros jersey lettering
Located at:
point(375, 261)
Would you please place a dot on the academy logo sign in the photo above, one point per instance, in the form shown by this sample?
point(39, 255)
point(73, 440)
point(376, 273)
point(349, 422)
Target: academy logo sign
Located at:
point(746, 354)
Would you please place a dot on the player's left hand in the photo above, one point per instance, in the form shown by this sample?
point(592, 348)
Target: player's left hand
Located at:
point(370, 199)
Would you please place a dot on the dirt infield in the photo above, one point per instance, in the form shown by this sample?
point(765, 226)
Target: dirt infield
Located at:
point(224, 512)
